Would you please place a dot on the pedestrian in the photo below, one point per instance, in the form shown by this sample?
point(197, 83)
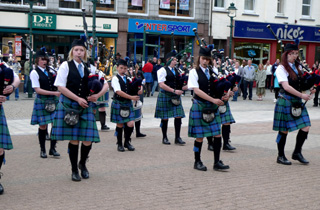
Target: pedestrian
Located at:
point(122, 112)
point(16, 67)
point(316, 95)
point(204, 117)
point(74, 119)
point(273, 70)
point(169, 99)
point(5, 140)
point(147, 72)
point(155, 77)
point(26, 71)
point(238, 70)
point(42, 79)
point(267, 68)
point(248, 77)
point(290, 114)
point(260, 78)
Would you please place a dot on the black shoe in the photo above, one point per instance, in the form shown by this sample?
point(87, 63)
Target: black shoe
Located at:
point(179, 141)
point(129, 146)
point(220, 166)
point(43, 154)
point(75, 176)
point(84, 171)
point(138, 135)
point(1, 189)
point(315, 105)
point(199, 166)
point(210, 147)
point(165, 141)
point(228, 147)
point(244, 98)
point(250, 99)
point(54, 153)
point(105, 128)
point(299, 157)
point(120, 148)
point(283, 160)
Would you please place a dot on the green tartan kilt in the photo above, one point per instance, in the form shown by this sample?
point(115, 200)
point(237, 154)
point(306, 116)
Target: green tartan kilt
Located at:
point(85, 130)
point(197, 127)
point(39, 114)
point(165, 109)
point(284, 121)
point(5, 138)
point(227, 116)
point(115, 111)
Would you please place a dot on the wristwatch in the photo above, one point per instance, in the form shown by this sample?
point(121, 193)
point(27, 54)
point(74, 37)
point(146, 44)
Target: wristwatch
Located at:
point(13, 87)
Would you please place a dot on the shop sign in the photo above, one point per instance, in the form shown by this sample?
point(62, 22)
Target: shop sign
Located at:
point(18, 45)
point(44, 21)
point(162, 27)
point(258, 30)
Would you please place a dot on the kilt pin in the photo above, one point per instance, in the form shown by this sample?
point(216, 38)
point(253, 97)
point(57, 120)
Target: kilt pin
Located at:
point(39, 114)
point(165, 109)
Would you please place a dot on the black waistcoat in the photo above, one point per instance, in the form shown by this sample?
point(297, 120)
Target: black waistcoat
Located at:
point(75, 83)
point(172, 80)
point(124, 88)
point(46, 82)
point(204, 84)
point(296, 84)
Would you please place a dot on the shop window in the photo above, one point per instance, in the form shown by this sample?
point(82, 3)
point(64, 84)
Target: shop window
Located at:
point(258, 52)
point(23, 2)
point(70, 4)
point(219, 3)
point(306, 4)
point(180, 8)
point(249, 5)
point(137, 6)
point(280, 7)
point(106, 5)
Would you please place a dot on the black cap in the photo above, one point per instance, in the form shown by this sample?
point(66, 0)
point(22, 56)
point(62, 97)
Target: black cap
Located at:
point(205, 51)
point(122, 62)
point(78, 42)
point(170, 54)
point(289, 47)
point(41, 53)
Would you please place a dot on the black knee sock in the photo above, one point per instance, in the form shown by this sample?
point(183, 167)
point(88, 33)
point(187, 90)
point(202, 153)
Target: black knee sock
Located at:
point(164, 128)
point(216, 148)
point(177, 126)
point(119, 135)
point(53, 144)
point(102, 118)
point(301, 137)
point(1, 159)
point(281, 140)
point(209, 138)
point(84, 153)
point(42, 139)
point(225, 134)
point(197, 151)
point(73, 155)
point(127, 133)
point(137, 125)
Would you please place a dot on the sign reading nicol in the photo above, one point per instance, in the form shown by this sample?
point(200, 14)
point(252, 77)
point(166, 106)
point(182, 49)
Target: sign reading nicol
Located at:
point(258, 30)
point(163, 27)
point(44, 21)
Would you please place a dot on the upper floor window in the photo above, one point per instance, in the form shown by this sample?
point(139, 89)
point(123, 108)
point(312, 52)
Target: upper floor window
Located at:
point(106, 5)
point(306, 5)
point(180, 8)
point(24, 2)
point(280, 7)
point(137, 6)
point(70, 4)
point(219, 3)
point(249, 5)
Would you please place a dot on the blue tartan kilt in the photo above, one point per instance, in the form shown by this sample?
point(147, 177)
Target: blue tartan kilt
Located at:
point(284, 121)
point(5, 139)
point(197, 127)
point(115, 111)
point(85, 130)
point(165, 109)
point(39, 114)
point(227, 116)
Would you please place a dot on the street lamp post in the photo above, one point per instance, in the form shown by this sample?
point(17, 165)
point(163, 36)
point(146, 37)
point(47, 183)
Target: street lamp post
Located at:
point(30, 92)
point(232, 14)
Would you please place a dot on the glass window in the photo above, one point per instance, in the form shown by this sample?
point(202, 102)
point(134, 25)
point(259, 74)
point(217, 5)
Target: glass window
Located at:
point(137, 6)
point(258, 52)
point(106, 5)
point(71, 4)
point(24, 2)
point(306, 4)
point(179, 8)
point(280, 8)
point(249, 5)
point(219, 3)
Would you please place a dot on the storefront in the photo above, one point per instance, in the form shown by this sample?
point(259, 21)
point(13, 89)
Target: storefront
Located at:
point(254, 40)
point(159, 34)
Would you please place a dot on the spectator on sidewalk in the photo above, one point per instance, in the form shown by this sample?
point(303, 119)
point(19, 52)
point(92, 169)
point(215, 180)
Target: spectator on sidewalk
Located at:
point(248, 78)
point(260, 78)
point(267, 69)
point(155, 77)
point(16, 67)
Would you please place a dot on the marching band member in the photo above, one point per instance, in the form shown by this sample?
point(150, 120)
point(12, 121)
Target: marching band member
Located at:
point(122, 109)
point(204, 118)
point(289, 113)
point(5, 140)
point(169, 101)
point(42, 79)
point(74, 119)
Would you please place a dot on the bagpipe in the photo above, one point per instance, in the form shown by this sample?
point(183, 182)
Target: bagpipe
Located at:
point(135, 81)
point(106, 60)
point(6, 77)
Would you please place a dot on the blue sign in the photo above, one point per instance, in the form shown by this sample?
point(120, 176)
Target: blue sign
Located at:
point(258, 30)
point(163, 27)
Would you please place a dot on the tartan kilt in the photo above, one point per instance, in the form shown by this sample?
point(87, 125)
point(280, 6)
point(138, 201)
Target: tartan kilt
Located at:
point(115, 111)
point(227, 116)
point(197, 127)
point(103, 101)
point(85, 130)
point(5, 138)
point(284, 121)
point(165, 109)
point(39, 114)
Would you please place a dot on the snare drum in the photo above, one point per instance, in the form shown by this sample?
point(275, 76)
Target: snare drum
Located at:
point(137, 106)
